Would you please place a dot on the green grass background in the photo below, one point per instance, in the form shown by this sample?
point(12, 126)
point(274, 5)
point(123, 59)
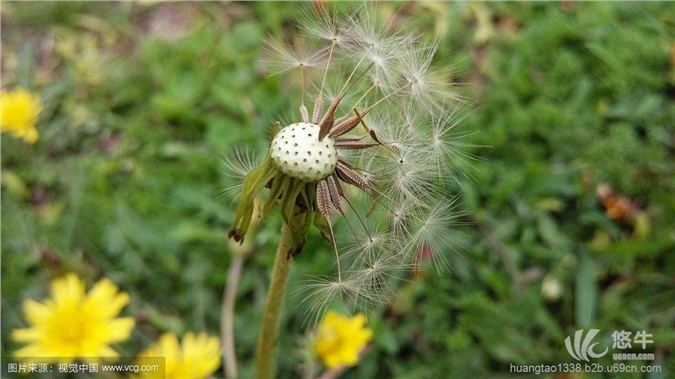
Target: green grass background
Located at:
point(143, 101)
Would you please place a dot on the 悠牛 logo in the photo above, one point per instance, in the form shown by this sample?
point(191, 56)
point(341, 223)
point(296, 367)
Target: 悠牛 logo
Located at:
point(583, 346)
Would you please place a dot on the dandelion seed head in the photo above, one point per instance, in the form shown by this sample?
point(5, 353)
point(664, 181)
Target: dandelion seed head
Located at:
point(372, 98)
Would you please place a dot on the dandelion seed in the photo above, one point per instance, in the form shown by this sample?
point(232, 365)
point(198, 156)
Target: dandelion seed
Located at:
point(375, 276)
point(428, 86)
point(323, 290)
point(324, 26)
point(373, 40)
point(280, 57)
point(431, 234)
point(370, 239)
point(447, 147)
point(72, 324)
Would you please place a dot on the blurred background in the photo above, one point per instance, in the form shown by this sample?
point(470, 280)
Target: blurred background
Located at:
point(571, 197)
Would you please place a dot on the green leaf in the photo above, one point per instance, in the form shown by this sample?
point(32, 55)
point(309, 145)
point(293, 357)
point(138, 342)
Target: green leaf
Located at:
point(586, 294)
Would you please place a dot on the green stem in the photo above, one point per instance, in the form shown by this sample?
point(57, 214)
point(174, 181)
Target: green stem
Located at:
point(227, 322)
point(267, 339)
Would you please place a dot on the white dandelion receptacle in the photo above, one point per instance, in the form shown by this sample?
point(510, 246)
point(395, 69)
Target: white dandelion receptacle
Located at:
point(297, 152)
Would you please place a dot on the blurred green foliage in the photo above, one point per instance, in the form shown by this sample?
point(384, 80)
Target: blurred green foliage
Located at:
point(143, 101)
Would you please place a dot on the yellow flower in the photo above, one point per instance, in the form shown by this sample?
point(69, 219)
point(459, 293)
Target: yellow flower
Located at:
point(340, 339)
point(72, 324)
point(20, 110)
point(197, 358)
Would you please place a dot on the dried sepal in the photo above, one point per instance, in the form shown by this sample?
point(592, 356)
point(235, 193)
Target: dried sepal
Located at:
point(348, 174)
point(354, 145)
point(304, 114)
point(329, 117)
point(318, 105)
point(323, 201)
point(335, 193)
point(344, 125)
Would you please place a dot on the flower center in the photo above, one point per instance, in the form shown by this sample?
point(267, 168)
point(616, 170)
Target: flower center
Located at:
point(69, 330)
point(328, 341)
point(297, 152)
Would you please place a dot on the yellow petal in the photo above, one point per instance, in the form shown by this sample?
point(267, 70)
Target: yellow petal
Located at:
point(202, 353)
point(36, 312)
point(25, 335)
point(105, 292)
point(119, 329)
point(68, 289)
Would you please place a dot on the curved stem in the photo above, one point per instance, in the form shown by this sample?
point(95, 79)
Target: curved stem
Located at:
point(265, 354)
